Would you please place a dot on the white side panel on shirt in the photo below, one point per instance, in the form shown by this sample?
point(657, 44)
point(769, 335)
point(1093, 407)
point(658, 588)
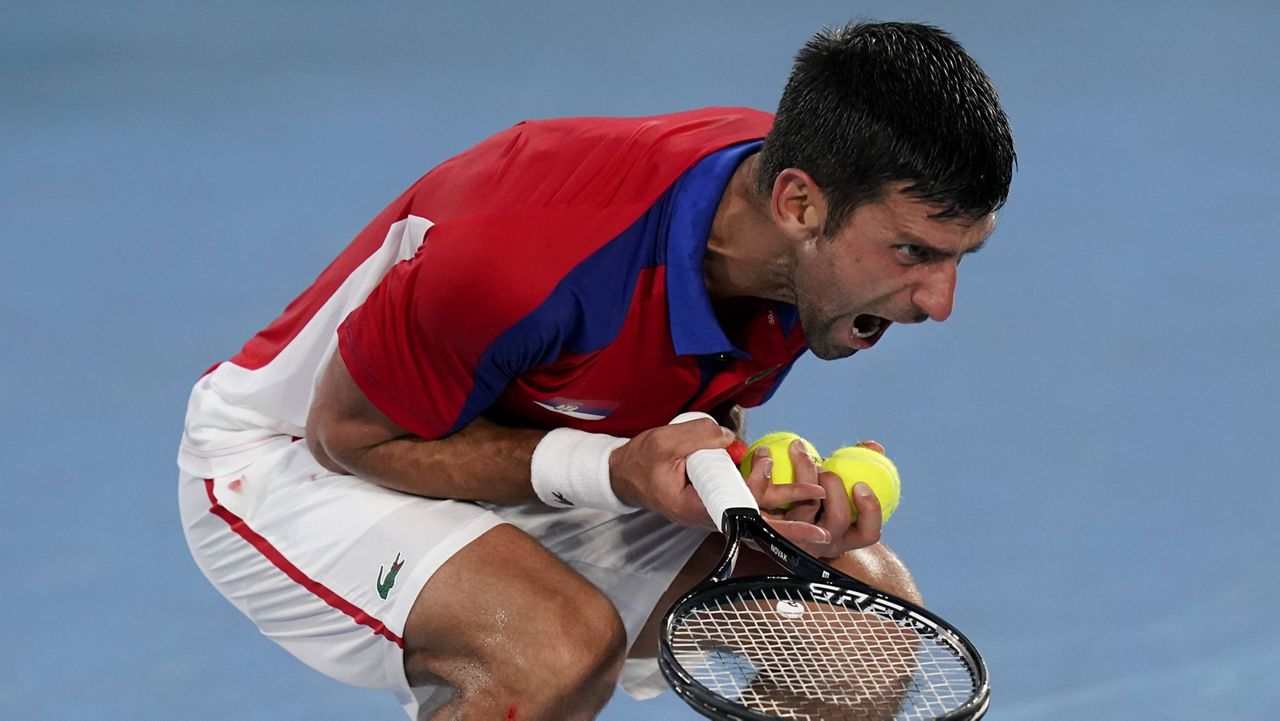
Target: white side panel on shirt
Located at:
point(234, 411)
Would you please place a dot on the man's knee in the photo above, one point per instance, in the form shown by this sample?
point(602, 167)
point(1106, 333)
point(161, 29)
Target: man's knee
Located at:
point(878, 566)
point(562, 664)
point(511, 626)
point(581, 648)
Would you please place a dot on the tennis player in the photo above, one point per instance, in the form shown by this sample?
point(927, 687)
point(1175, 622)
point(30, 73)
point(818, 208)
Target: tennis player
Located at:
point(445, 469)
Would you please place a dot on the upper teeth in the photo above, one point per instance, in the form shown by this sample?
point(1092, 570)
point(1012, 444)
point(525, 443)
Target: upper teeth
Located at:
point(873, 326)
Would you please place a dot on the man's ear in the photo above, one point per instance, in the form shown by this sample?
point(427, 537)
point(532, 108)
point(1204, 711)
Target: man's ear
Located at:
point(797, 204)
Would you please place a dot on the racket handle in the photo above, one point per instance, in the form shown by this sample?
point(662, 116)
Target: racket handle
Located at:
point(716, 478)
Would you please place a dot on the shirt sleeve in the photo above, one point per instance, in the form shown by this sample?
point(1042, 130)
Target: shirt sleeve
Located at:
point(443, 334)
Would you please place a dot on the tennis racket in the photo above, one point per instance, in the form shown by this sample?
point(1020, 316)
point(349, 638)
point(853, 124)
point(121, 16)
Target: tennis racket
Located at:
point(816, 644)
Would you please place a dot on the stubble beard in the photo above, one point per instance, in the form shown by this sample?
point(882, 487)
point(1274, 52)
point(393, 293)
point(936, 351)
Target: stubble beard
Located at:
point(819, 329)
point(817, 324)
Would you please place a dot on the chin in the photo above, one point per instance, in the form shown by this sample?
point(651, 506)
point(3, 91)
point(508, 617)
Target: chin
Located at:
point(831, 351)
point(820, 343)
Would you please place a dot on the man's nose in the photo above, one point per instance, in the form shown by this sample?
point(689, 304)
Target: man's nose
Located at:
point(935, 297)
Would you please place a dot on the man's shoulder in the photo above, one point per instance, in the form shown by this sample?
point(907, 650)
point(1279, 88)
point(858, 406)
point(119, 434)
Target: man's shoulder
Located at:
point(583, 162)
point(677, 135)
point(712, 122)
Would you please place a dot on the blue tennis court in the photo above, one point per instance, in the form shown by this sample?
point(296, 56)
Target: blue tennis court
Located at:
point(1089, 488)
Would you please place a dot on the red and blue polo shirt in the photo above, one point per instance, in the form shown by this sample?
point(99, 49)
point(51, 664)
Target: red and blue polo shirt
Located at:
point(562, 283)
point(551, 274)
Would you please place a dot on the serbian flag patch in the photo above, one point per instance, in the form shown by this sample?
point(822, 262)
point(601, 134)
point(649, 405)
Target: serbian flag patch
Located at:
point(586, 410)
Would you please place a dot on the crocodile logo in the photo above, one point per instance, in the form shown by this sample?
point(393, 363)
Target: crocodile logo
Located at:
point(561, 498)
point(385, 584)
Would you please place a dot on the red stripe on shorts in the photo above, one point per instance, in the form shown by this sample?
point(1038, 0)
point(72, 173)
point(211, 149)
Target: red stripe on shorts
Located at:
point(324, 593)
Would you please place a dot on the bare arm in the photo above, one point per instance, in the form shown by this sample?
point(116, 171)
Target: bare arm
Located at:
point(483, 461)
point(488, 462)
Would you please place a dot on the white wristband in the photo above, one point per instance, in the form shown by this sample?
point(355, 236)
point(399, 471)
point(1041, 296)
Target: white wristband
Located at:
point(570, 469)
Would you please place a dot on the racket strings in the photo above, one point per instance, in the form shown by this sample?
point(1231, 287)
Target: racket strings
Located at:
point(781, 653)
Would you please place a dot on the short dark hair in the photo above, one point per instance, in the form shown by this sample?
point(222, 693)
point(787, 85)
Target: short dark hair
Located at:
point(874, 103)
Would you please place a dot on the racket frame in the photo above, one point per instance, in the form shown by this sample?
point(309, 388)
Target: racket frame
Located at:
point(808, 571)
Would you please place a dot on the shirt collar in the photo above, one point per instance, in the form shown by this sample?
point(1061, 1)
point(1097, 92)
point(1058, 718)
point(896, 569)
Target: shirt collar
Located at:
point(696, 197)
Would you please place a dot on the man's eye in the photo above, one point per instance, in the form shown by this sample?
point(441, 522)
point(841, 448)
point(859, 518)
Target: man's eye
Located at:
point(912, 252)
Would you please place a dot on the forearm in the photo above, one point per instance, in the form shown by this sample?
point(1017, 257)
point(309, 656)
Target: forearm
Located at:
point(482, 462)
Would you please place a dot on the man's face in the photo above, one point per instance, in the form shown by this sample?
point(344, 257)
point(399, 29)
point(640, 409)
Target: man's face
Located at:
point(889, 263)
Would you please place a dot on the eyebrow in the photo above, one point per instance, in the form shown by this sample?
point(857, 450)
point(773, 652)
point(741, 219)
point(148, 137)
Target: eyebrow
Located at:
point(913, 240)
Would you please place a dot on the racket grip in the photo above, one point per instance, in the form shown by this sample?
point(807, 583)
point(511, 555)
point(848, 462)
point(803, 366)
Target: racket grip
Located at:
point(716, 478)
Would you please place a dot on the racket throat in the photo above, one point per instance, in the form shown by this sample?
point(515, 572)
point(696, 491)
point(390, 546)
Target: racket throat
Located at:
point(728, 560)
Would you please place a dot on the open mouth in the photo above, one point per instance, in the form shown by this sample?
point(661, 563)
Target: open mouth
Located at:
point(866, 330)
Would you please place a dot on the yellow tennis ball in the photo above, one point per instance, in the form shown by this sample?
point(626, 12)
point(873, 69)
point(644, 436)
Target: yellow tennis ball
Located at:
point(862, 464)
point(778, 444)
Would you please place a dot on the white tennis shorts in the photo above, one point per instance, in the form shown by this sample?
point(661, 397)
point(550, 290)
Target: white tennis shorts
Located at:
point(328, 566)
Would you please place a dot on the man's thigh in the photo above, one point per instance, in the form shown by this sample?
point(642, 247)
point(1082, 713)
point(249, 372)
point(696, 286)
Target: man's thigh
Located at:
point(505, 624)
point(332, 568)
point(326, 565)
point(630, 558)
point(556, 590)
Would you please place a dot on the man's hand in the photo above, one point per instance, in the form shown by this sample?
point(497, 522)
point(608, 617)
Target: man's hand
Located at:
point(649, 472)
point(816, 497)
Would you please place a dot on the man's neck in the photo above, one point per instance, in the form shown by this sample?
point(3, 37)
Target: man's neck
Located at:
point(746, 256)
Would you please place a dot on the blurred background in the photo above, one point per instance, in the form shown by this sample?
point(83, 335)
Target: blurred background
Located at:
point(1088, 490)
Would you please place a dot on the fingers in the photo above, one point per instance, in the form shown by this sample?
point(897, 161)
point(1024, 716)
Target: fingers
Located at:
point(836, 514)
point(681, 439)
point(761, 476)
point(806, 535)
point(872, 445)
point(817, 517)
point(801, 496)
point(870, 515)
point(648, 471)
point(772, 495)
point(689, 511)
point(866, 530)
point(805, 474)
point(834, 518)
